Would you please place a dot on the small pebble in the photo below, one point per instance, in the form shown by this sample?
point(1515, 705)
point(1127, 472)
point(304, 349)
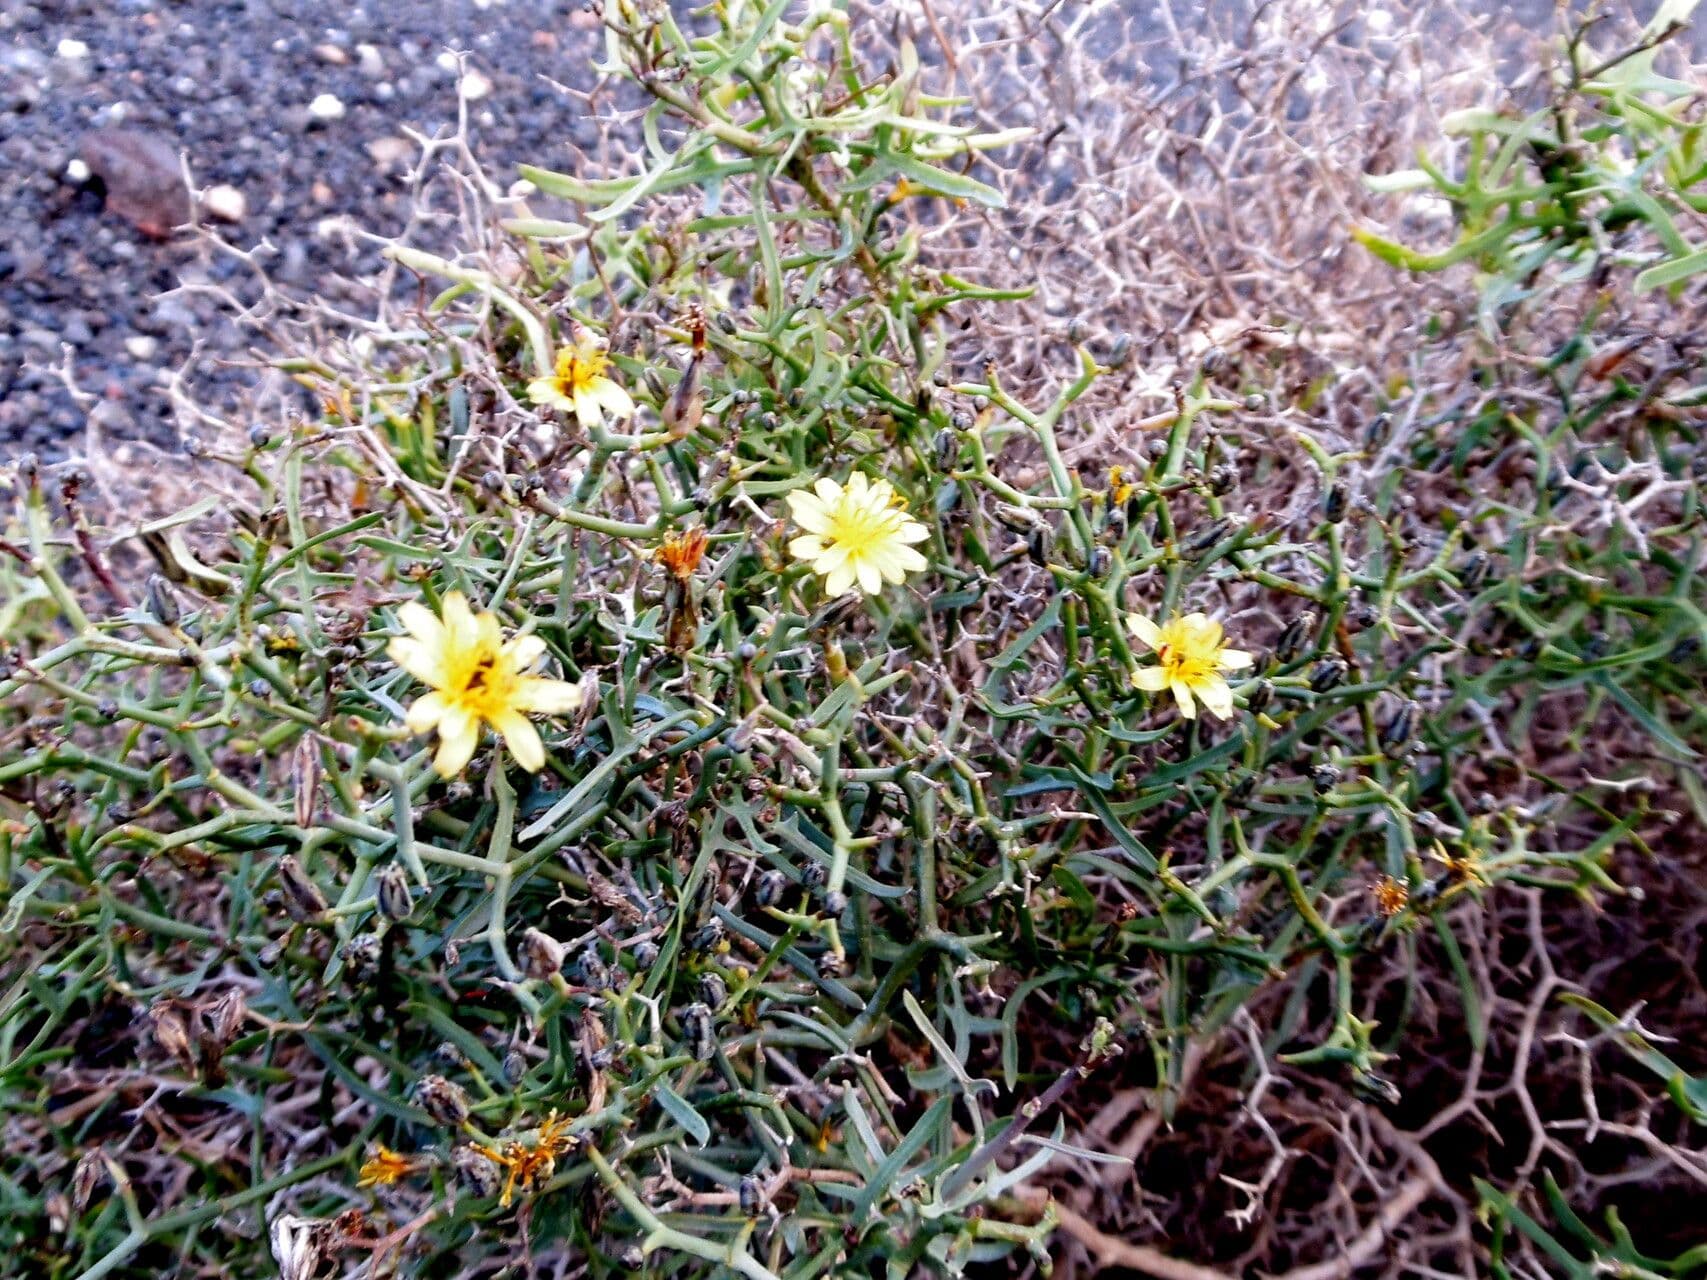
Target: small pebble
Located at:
point(326, 107)
point(72, 49)
point(475, 86)
point(141, 346)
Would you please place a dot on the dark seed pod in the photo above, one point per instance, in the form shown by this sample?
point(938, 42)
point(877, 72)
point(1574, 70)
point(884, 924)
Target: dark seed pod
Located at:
point(593, 970)
point(814, 875)
point(1397, 733)
point(1243, 789)
point(1037, 544)
point(835, 903)
point(752, 1196)
point(258, 688)
point(303, 900)
point(1255, 402)
point(1324, 777)
point(697, 1031)
point(515, 1067)
point(108, 708)
point(1117, 522)
point(832, 964)
point(1101, 561)
point(713, 991)
point(1335, 501)
point(1295, 638)
point(655, 385)
point(645, 954)
point(1214, 360)
point(259, 436)
point(1076, 330)
point(960, 420)
point(726, 322)
point(1261, 697)
point(443, 1100)
point(162, 605)
point(947, 449)
point(1362, 616)
point(1223, 479)
point(391, 888)
point(475, 1172)
point(1472, 570)
point(1120, 352)
point(542, 955)
point(747, 651)
point(769, 889)
point(1209, 535)
point(1375, 434)
point(361, 956)
point(450, 1054)
point(1326, 674)
point(707, 938)
point(492, 481)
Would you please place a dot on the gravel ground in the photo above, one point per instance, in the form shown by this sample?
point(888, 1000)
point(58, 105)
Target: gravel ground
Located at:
point(236, 88)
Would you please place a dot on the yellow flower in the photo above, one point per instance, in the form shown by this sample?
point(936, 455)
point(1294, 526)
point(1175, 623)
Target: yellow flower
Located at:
point(1192, 660)
point(859, 534)
point(579, 384)
point(476, 676)
point(384, 1167)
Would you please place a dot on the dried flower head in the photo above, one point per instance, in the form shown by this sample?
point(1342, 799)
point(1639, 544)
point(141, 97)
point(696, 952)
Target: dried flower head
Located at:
point(1191, 659)
point(477, 677)
point(580, 384)
point(1390, 895)
point(384, 1167)
point(443, 1100)
point(525, 1161)
point(680, 553)
point(859, 535)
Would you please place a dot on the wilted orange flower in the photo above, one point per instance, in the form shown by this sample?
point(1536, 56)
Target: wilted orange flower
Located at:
point(384, 1167)
point(682, 552)
point(523, 1162)
point(1390, 895)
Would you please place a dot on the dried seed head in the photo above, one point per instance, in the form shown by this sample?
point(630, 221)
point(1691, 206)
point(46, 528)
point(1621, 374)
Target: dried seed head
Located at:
point(1390, 895)
point(947, 449)
point(303, 900)
point(1205, 538)
point(1324, 777)
point(91, 1168)
point(1223, 479)
point(1101, 561)
point(769, 889)
point(708, 938)
point(697, 1031)
point(542, 955)
point(713, 991)
point(162, 605)
point(1472, 571)
point(1326, 674)
point(752, 1196)
point(595, 973)
point(1214, 360)
point(391, 888)
point(1335, 501)
point(1295, 638)
point(1261, 697)
point(475, 1172)
point(815, 875)
point(443, 1100)
point(515, 1067)
point(224, 1017)
point(361, 954)
point(1400, 728)
point(297, 1246)
point(835, 902)
point(645, 954)
point(1375, 434)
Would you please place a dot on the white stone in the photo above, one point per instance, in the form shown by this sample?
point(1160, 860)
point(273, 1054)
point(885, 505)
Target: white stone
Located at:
point(141, 346)
point(77, 173)
point(225, 202)
point(326, 107)
point(367, 57)
point(475, 86)
point(74, 49)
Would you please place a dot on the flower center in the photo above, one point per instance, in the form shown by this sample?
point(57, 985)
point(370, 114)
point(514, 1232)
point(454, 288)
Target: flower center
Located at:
point(481, 685)
point(1188, 662)
point(578, 370)
point(857, 529)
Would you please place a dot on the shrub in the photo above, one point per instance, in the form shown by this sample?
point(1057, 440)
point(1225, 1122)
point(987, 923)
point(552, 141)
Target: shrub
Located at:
point(670, 764)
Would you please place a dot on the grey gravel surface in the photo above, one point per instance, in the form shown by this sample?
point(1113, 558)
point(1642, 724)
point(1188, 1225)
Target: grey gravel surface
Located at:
point(294, 111)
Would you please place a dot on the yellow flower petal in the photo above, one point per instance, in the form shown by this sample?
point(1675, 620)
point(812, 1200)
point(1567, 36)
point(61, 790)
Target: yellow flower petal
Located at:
point(1216, 695)
point(524, 651)
point(421, 623)
point(417, 659)
point(547, 697)
point(522, 739)
point(1182, 694)
point(1144, 629)
point(428, 710)
point(1150, 679)
point(1235, 659)
point(459, 736)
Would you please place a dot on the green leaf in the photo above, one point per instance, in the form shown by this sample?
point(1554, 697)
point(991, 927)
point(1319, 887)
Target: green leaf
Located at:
point(678, 1109)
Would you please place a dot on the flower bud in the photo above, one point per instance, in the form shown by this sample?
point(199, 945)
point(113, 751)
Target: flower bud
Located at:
point(361, 956)
point(713, 991)
point(1295, 638)
point(947, 449)
point(1335, 501)
point(769, 889)
point(1397, 733)
point(475, 1172)
point(697, 1031)
point(1326, 674)
point(1261, 697)
point(752, 1196)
